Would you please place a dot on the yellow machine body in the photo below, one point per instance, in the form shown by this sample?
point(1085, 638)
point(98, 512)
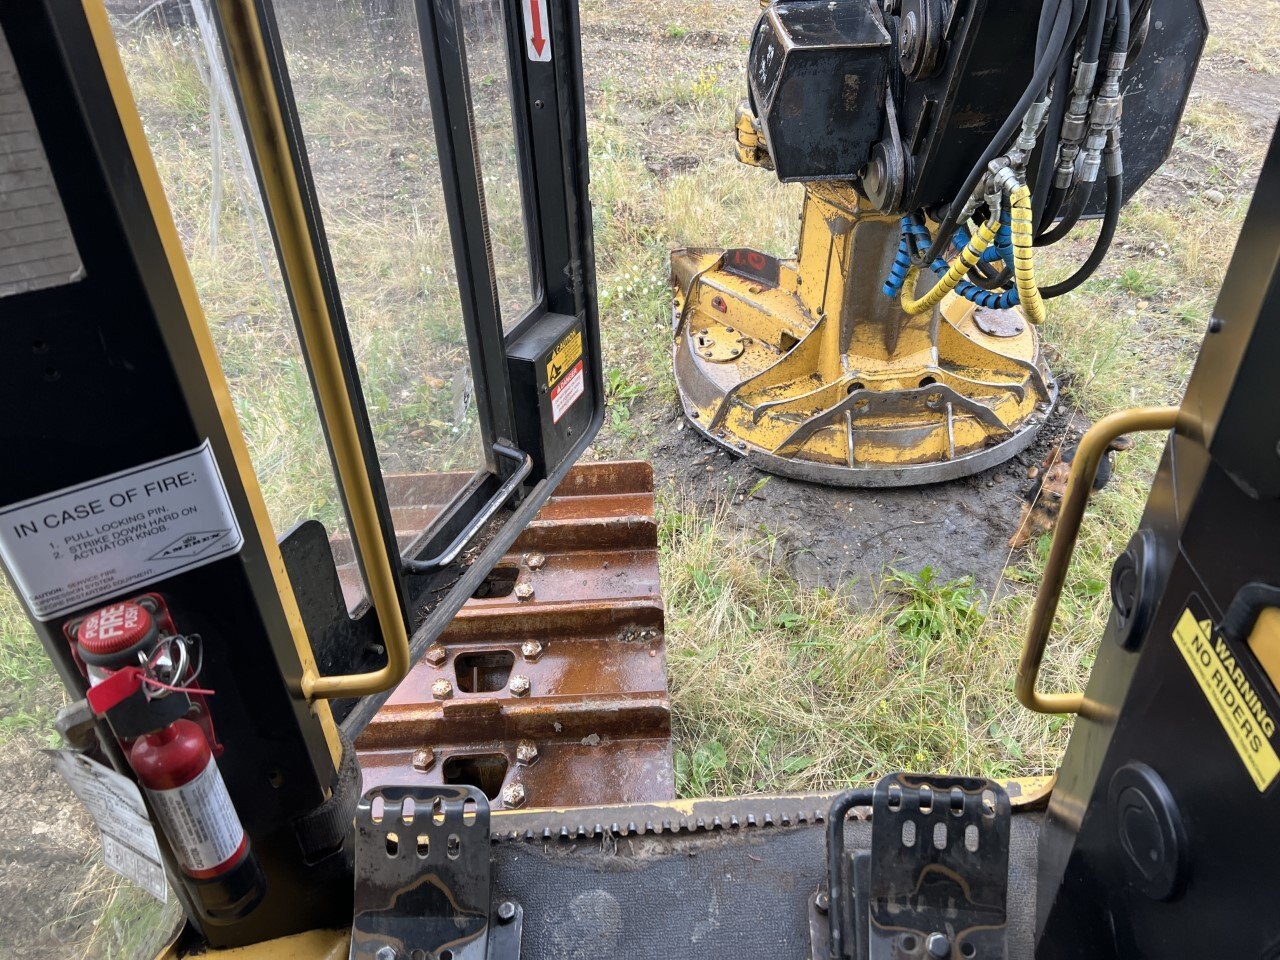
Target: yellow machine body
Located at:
point(808, 369)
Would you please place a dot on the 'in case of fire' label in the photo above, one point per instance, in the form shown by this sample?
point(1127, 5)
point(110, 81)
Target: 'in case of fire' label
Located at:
point(67, 549)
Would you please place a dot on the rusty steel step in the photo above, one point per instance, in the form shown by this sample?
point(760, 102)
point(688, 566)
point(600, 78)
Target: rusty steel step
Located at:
point(549, 688)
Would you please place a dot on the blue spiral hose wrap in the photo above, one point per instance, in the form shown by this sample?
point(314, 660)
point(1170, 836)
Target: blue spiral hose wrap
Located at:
point(1001, 249)
point(901, 264)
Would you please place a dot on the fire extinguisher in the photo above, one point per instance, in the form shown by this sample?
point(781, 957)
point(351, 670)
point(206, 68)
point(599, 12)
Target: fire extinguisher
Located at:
point(141, 679)
point(180, 776)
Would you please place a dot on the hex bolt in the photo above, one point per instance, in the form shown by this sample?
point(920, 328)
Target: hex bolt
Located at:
point(424, 757)
point(938, 945)
point(535, 561)
point(506, 911)
point(822, 901)
point(436, 655)
point(442, 689)
point(514, 794)
point(519, 685)
point(386, 953)
point(526, 752)
point(531, 650)
point(524, 591)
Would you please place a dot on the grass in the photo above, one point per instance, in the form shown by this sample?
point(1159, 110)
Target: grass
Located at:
point(779, 688)
point(129, 923)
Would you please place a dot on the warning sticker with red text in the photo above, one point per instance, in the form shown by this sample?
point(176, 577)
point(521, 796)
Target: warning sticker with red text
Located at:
point(564, 393)
point(66, 549)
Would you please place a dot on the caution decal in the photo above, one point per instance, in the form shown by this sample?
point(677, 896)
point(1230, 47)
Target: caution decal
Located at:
point(1232, 696)
point(563, 356)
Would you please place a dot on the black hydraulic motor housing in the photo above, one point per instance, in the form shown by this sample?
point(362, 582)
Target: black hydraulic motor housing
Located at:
point(902, 96)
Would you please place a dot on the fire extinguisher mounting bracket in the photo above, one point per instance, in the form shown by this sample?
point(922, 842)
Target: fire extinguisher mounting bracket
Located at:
point(123, 701)
point(422, 878)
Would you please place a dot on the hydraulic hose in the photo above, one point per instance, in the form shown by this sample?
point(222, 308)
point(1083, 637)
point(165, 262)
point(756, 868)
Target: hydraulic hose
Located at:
point(1120, 38)
point(914, 234)
point(956, 270)
point(985, 278)
point(1065, 14)
point(1044, 201)
point(1093, 33)
point(1110, 219)
point(1078, 200)
point(992, 296)
point(1024, 274)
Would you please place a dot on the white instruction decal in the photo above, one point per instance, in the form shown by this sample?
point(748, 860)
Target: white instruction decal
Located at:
point(66, 549)
point(128, 840)
point(569, 389)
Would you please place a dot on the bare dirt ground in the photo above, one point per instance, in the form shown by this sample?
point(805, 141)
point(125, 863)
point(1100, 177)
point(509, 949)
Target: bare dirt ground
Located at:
point(846, 538)
point(46, 856)
point(52, 896)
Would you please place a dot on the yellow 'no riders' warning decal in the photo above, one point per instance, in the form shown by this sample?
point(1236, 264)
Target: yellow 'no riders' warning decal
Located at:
point(1232, 696)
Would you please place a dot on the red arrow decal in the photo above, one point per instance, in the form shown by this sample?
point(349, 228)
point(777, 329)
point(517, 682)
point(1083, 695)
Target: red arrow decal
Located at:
point(535, 15)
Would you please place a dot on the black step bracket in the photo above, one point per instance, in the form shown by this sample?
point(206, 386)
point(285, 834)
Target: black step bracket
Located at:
point(422, 879)
point(933, 885)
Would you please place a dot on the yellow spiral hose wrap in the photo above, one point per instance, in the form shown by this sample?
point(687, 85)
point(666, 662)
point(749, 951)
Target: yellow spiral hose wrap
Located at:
point(956, 270)
point(1024, 273)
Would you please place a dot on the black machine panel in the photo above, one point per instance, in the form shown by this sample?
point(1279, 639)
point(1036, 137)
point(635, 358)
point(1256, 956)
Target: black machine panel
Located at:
point(820, 77)
point(104, 374)
point(946, 118)
point(1158, 841)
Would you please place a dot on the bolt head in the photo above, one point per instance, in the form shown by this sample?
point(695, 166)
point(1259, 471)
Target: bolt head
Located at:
point(506, 911)
point(531, 650)
point(938, 945)
point(514, 794)
point(423, 758)
point(442, 689)
point(386, 953)
point(535, 561)
point(526, 752)
point(524, 591)
point(519, 685)
point(910, 33)
point(436, 655)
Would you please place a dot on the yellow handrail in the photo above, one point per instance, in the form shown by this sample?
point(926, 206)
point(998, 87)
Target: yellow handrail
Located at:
point(248, 61)
point(1084, 468)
